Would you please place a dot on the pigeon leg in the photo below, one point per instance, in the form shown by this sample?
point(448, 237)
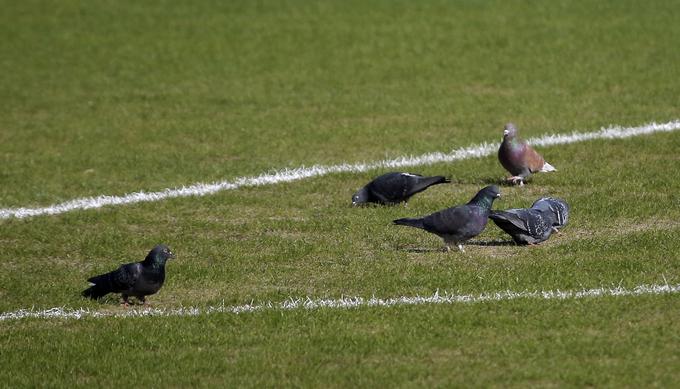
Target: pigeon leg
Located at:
point(125, 302)
point(144, 302)
point(516, 179)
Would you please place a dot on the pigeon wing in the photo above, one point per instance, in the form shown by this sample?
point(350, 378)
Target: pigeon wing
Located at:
point(511, 220)
point(524, 225)
point(463, 221)
point(532, 159)
point(119, 280)
point(389, 188)
point(417, 184)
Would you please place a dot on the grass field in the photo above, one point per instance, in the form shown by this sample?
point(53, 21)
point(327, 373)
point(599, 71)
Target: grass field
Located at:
point(116, 97)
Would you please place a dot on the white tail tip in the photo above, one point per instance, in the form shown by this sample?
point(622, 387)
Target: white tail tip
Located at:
point(548, 168)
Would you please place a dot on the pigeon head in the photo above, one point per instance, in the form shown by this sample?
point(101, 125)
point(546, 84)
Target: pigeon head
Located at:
point(360, 197)
point(159, 254)
point(509, 131)
point(486, 196)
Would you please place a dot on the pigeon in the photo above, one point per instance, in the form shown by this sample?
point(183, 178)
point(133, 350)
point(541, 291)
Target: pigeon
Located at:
point(525, 226)
point(558, 207)
point(138, 279)
point(520, 159)
point(457, 224)
point(394, 188)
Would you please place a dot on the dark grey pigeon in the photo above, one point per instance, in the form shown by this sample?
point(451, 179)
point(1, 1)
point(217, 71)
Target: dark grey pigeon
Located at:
point(558, 207)
point(138, 279)
point(394, 188)
point(525, 226)
point(519, 158)
point(457, 224)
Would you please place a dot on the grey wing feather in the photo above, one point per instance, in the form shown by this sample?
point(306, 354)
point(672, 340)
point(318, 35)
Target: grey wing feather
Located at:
point(389, 188)
point(464, 221)
point(417, 184)
point(524, 225)
point(120, 279)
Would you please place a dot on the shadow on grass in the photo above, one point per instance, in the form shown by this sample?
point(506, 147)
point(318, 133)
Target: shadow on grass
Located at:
point(422, 249)
point(490, 243)
point(484, 181)
point(115, 299)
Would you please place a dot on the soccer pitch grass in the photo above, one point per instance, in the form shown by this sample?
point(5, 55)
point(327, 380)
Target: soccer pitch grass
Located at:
point(116, 97)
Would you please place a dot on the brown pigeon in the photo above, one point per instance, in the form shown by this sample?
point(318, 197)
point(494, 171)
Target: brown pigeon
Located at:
point(520, 159)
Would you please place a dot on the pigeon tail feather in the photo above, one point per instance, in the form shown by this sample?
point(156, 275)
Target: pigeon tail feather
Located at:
point(548, 168)
point(411, 222)
point(95, 292)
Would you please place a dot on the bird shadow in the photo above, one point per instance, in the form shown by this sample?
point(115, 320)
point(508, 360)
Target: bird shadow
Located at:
point(117, 301)
point(421, 250)
point(491, 243)
point(485, 181)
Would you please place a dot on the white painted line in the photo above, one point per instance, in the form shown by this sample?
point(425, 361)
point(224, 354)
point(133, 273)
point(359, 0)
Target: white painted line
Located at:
point(287, 175)
point(345, 303)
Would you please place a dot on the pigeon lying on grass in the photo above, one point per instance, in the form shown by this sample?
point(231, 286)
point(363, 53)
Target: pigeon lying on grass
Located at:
point(533, 225)
point(138, 279)
point(394, 188)
point(525, 226)
point(520, 159)
point(558, 207)
point(457, 224)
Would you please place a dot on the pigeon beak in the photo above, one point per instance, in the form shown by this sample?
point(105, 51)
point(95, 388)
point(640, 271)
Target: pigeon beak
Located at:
point(505, 133)
point(172, 255)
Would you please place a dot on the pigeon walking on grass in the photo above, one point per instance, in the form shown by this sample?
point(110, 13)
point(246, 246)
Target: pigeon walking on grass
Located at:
point(457, 224)
point(519, 158)
point(558, 207)
point(394, 188)
point(138, 279)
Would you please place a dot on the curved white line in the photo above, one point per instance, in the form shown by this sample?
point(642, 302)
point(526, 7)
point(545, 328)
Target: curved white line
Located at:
point(287, 175)
point(345, 302)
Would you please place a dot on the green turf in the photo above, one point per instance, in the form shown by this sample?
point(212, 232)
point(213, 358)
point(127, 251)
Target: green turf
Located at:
point(113, 97)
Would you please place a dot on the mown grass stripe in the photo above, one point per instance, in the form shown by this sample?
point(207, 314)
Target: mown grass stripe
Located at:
point(345, 303)
point(287, 175)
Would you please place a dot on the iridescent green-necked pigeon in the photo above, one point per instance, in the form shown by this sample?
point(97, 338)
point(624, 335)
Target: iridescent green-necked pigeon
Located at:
point(394, 188)
point(519, 158)
point(138, 279)
point(457, 224)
